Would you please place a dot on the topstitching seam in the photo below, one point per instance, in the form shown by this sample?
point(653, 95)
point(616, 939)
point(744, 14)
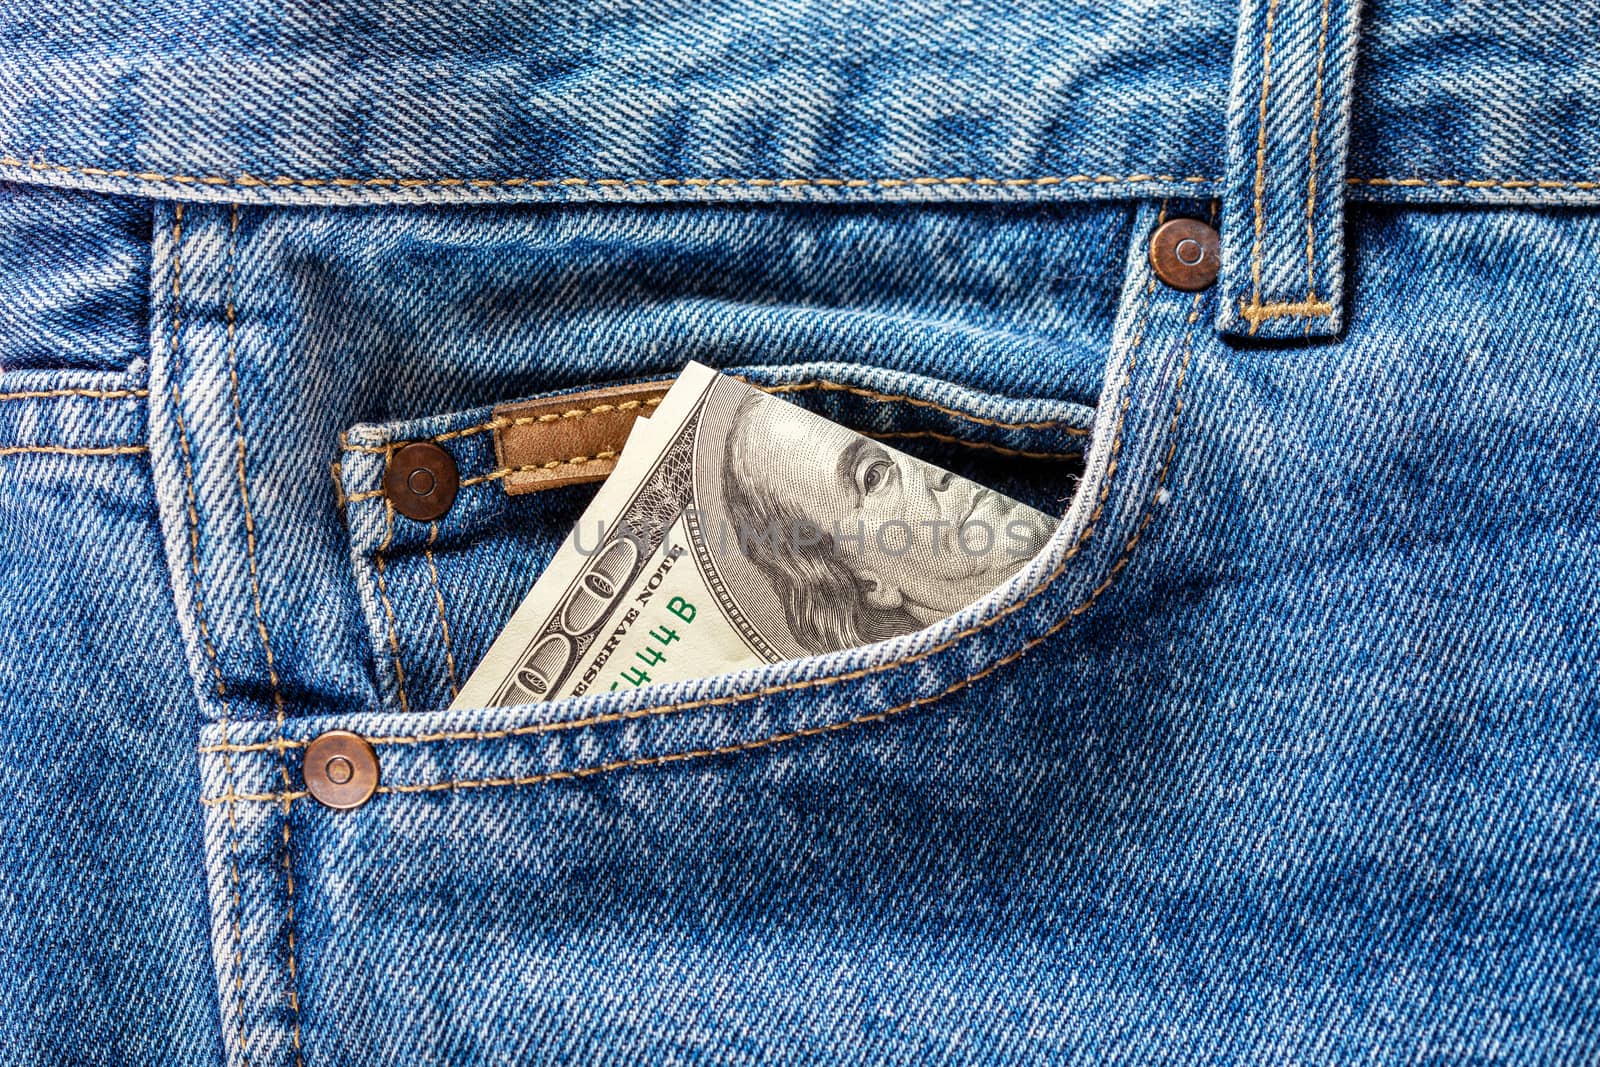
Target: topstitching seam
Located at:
point(91, 394)
point(248, 181)
point(807, 683)
point(193, 516)
point(1311, 165)
point(1261, 153)
point(1255, 312)
point(824, 384)
point(283, 181)
point(70, 450)
point(279, 709)
point(880, 716)
point(814, 731)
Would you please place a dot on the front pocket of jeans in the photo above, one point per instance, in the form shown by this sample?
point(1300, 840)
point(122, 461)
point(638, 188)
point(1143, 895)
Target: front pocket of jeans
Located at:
point(436, 593)
point(527, 882)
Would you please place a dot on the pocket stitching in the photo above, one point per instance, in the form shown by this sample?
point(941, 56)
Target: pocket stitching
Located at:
point(91, 394)
point(192, 514)
point(799, 387)
point(846, 676)
point(388, 607)
point(438, 602)
point(674, 757)
point(879, 716)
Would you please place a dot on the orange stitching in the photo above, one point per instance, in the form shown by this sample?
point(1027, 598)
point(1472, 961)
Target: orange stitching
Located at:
point(797, 387)
point(529, 420)
point(438, 601)
point(1261, 157)
point(1476, 183)
point(92, 394)
point(383, 594)
point(1311, 172)
point(804, 683)
point(505, 472)
point(814, 731)
point(248, 181)
point(205, 630)
point(339, 499)
point(521, 420)
point(281, 181)
point(261, 626)
point(64, 450)
point(1257, 313)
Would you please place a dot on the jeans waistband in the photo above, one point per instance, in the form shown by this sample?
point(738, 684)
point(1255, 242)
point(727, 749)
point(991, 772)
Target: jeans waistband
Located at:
point(346, 102)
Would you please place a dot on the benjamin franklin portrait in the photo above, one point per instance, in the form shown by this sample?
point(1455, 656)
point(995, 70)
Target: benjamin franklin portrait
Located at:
point(860, 541)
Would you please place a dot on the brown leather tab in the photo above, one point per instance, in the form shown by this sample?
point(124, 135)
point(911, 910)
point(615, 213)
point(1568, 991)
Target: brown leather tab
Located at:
point(567, 439)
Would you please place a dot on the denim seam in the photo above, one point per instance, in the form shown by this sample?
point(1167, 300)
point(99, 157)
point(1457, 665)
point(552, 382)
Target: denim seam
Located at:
point(388, 608)
point(807, 683)
point(91, 394)
point(1477, 183)
point(261, 628)
point(1311, 166)
point(608, 455)
point(1257, 311)
point(766, 742)
point(250, 181)
point(336, 469)
point(862, 720)
point(246, 181)
point(193, 515)
point(799, 387)
point(71, 450)
point(438, 603)
point(1261, 154)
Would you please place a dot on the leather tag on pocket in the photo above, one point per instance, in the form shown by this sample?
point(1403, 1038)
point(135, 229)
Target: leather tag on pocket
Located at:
point(568, 439)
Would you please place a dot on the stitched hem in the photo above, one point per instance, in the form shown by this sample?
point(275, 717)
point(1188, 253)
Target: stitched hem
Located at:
point(89, 394)
point(69, 450)
point(250, 181)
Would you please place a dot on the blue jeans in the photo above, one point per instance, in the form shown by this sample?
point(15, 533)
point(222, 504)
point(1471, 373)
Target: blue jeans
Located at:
point(1285, 749)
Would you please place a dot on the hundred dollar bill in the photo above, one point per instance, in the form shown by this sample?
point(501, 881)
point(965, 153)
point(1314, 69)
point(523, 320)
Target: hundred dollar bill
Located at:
point(739, 529)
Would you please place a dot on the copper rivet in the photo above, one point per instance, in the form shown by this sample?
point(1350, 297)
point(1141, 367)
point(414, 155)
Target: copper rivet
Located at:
point(421, 481)
point(341, 770)
point(1186, 254)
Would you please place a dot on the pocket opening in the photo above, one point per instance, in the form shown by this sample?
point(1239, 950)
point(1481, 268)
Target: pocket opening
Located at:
point(437, 594)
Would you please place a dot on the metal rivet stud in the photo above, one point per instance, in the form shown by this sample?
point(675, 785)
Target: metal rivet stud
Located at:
point(1186, 254)
point(421, 481)
point(340, 770)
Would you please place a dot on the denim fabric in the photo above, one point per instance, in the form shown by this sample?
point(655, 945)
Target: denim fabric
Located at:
point(866, 100)
point(1288, 136)
point(74, 274)
point(1286, 748)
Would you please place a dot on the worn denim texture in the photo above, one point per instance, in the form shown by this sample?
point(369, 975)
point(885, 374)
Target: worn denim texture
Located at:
point(1285, 749)
point(866, 100)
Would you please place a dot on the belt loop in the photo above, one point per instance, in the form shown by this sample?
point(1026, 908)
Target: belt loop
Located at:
point(1283, 195)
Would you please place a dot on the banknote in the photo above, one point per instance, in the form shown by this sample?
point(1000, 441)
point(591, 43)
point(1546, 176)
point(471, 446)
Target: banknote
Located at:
point(739, 529)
